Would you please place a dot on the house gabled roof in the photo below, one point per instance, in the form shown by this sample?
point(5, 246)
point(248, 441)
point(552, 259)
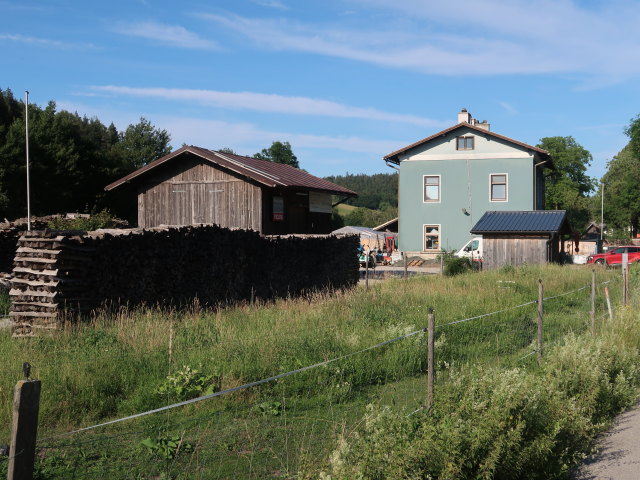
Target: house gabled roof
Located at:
point(529, 222)
point(267, 173)
point(394, 156)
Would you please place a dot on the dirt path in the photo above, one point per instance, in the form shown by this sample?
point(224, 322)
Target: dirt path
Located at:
point(618, 455)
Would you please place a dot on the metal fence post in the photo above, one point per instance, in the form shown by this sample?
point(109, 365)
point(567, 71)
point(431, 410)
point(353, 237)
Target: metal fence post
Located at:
point(593, 302)
point(404, 256)
point(26, 404)
point(430, 357)
point(540, 316)
point(366, 270)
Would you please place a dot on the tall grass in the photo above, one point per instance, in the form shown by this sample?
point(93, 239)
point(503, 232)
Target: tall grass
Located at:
point(113, 365)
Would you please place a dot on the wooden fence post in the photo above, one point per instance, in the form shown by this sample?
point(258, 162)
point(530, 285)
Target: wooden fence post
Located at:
point(593, 302)
point(430, 357)
point(625, 279)
point(404, 256)
point(540, 316)
point(26, 404)
point(366, 269)
point(606, 292)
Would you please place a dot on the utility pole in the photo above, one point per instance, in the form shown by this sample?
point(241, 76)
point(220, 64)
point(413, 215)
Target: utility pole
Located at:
point(26, 124)
point(601, 212)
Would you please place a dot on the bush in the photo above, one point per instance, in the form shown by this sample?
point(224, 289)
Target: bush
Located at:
point(525, 424)
point(456, 265)
point(103, 219)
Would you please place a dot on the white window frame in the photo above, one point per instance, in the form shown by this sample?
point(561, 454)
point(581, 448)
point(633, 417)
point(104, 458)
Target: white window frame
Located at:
point(506, 187)
point(424, 237)
point(424, 185)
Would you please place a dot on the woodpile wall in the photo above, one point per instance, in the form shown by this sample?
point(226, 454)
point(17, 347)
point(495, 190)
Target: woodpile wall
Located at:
point(58, 275)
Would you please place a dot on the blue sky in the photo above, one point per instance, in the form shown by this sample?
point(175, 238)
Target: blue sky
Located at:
point(344, 81)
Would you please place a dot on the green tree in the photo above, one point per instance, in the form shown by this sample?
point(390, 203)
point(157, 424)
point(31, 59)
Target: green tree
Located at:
point(621, 192)
point(377, 191)
point(143, 143)
point(568, 186)
point(227, 150)
point(633, 132)
point(279, 152)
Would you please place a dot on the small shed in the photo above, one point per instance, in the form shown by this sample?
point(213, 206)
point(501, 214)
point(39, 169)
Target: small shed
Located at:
point(524, 237)
point(195, 185)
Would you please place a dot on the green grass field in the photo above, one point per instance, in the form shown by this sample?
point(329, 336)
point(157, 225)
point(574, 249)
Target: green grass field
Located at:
point(115, 365)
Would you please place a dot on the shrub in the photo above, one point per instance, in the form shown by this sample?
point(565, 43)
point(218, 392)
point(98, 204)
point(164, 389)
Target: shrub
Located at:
point(456, 265)
point(102, 219)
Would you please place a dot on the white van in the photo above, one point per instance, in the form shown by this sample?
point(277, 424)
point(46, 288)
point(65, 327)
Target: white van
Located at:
point(473, 249)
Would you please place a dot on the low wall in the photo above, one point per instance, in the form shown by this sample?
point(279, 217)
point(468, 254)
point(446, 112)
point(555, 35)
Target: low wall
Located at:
point(59, 275)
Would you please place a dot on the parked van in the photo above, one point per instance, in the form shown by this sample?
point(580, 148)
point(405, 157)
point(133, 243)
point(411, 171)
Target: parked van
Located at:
point(473, 250)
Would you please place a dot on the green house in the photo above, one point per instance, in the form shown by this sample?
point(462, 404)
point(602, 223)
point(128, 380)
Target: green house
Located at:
point(450, 179)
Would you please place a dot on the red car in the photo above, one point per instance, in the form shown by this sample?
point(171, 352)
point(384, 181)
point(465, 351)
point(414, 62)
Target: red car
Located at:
point(614, 257)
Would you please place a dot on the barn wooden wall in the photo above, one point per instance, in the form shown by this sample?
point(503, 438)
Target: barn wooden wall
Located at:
point(499, 251)
point(194, 192)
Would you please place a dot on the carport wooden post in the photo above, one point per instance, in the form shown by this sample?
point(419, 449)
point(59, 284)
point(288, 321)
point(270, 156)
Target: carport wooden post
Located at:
point(593, 302)
point(540, 316)
point(430, 356)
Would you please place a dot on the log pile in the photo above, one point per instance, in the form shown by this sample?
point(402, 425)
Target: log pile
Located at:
point(59, 275)
point(49, 280)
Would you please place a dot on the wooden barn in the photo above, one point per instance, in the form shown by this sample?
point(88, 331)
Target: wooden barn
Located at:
point(198, 186)
point(519, 238)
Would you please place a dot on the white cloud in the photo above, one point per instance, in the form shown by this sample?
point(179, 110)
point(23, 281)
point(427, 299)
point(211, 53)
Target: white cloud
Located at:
point(508, 107)
point(467, 37)
point(172, 35)
point(264, 102)
point(247, 137)
point(44, 42)
point(271, 4)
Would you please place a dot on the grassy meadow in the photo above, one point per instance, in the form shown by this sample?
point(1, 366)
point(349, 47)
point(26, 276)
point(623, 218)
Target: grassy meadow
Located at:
point(126, 362)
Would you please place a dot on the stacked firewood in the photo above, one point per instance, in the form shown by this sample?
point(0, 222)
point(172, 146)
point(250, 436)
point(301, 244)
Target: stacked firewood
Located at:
point(49, 280)
point(61, 275)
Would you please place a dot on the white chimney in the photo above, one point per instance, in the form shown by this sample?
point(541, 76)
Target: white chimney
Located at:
point(464, 116)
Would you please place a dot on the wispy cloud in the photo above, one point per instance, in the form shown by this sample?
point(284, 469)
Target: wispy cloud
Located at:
point(508, 107)
point(264, 102)
point(216, 134)
point(271, 4)
point(466, 37)
point(171, 35)
point(44, 42)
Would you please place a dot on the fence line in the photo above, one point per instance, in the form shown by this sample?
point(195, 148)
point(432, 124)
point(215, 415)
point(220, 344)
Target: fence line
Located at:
point(293, 372)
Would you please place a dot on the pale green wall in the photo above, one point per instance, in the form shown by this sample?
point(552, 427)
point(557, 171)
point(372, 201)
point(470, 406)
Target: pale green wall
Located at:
point(465, 183)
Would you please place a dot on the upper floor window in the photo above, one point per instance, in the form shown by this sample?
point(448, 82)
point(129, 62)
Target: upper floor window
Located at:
point(499, 187)
point(464, 143)
point(431, 188)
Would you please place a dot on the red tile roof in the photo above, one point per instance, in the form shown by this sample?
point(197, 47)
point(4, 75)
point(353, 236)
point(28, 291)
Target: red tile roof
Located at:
point(267, 173)
point(393, 156)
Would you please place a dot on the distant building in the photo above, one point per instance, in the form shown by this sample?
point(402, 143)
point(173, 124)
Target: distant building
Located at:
point(450, 179)
point(194, 185)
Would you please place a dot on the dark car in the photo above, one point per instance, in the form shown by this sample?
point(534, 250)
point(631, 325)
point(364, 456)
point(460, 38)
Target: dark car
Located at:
point(614, 257)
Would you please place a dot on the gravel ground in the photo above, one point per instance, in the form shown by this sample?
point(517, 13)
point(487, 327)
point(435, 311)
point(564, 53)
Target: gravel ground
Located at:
point(618, 455)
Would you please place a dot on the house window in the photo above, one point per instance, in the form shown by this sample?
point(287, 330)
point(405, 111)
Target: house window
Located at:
point(431, 188)
point(499, 187)
point(431, 237)
point(464, 143)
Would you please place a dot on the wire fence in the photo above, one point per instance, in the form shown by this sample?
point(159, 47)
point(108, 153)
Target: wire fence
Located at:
point(285, 425)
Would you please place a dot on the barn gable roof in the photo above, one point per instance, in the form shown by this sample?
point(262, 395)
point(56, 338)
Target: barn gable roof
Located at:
point(523, 222)
point(267, 173)
point(394, 156)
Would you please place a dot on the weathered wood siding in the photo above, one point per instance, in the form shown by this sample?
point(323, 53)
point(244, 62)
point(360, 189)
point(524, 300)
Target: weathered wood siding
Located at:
point(196, 192)
point(514, 250)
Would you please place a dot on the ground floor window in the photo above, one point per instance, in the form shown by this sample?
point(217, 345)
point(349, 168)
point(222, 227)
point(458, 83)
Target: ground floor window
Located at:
point(431, 237)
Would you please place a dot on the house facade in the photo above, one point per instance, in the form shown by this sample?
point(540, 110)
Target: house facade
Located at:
point(450, 179)
point(194, 185)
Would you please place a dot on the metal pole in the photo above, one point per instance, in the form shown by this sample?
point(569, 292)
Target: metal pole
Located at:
point(26, 122)
point(430, 357)
point(540, 317)
point(593, 302)
point(601, 212)
point(404, 254)
point(366, 270)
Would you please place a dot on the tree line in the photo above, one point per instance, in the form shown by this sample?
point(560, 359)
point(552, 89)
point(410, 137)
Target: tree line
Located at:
point(72, 159)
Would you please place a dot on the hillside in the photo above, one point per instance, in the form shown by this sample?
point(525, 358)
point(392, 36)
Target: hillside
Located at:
point(376, 191)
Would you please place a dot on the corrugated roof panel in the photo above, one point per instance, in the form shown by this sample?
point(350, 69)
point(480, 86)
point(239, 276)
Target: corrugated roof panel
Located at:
point(537, 221)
